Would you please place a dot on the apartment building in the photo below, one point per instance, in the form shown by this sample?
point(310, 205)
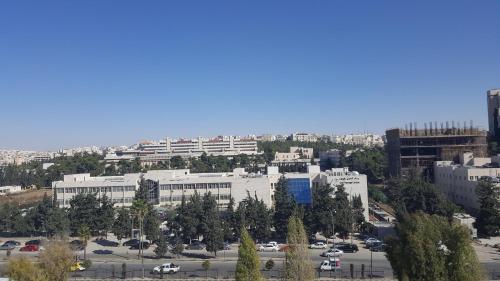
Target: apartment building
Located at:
point(459, 181)
point(305, 137)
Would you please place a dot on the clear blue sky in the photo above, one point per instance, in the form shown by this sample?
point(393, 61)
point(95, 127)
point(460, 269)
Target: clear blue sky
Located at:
point(76, 73)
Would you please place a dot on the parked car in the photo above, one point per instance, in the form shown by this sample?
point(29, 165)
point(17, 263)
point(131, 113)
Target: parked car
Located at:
point(195, 246)
point(145, 246)
point(30, 248)
point(332, 253)
point(76, 245)
point(131, 242)
point(370, 241)
point(268, 248)
point(7, 247)
point(332, 264)
point(227, 246)
point(167, 268)
point(348, 248)
point(379, 247)
point(318, 245)
point(13, 242)
point(77, 266)
point(37, 242)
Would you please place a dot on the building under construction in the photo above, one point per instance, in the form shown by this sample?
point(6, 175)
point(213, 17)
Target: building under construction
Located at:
point(411, 148)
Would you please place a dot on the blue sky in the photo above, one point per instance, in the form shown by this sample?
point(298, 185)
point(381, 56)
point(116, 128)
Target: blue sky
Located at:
point(76, 73)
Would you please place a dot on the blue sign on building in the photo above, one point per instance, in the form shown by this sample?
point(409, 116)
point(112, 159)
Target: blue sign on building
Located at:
point(300, 190)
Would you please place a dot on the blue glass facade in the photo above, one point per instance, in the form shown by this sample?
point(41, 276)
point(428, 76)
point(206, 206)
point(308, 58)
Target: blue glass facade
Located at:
point(300, 190)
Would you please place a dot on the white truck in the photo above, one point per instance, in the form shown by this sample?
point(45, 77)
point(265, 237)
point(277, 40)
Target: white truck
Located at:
point(166, 268)
point(332, 264)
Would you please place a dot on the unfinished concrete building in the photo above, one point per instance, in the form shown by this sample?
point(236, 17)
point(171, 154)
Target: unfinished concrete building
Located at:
point(412, 148)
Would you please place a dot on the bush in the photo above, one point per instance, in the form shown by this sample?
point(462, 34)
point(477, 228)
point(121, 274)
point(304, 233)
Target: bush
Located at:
point(87, 264)
point(205, 265)
point(269, 264)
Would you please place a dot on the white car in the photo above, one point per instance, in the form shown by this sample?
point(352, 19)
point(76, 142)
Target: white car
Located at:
point(318, 245)
point(166, 268)
point(331, 264)
point(371, 241)
point(332, 253)
point(269, 248)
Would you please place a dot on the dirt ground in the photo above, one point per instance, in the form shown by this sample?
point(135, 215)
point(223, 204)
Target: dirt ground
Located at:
point(26, 198)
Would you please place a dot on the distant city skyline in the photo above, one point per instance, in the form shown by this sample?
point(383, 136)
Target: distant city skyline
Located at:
point(78, 74)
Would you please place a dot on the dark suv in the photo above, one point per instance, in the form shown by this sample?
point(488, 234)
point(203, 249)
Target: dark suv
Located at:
point(348, 248)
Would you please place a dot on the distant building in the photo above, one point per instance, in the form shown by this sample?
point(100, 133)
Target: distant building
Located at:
point(419, 149)
point(330, 158)
point(368, 140)
point(304, 137)
point(494, 112)
point(5, 190)
point(458, 181)
point(154, 152)
point(467, 221)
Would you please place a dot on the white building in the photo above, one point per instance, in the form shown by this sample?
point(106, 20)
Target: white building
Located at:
point(305, 137)
point(167, 187)
point(459, 181)
point(294, 154)
point(9, 189)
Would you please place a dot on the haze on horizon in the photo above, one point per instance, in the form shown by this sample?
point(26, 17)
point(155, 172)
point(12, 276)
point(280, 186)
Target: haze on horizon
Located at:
point(80, 73)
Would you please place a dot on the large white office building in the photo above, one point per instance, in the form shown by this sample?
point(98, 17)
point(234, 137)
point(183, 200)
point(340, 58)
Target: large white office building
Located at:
point(167, 187)
point(458, 181)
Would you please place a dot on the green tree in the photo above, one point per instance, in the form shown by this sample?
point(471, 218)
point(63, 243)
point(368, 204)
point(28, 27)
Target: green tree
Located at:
point(488, 220)
point(343, 212)
point(284, 207)
point(57, 222)
point(122, 226)
point(106, 215)
point(357, 212)
point(140, 209)
point(161, 247)
point(248, 265)
point(319, 216)
point(84, 234)
point(430, 248)
point(211, 225)
point(84, 210)
point(56, 260)
point(152, 225)
point(254, 216)
point(299, 266)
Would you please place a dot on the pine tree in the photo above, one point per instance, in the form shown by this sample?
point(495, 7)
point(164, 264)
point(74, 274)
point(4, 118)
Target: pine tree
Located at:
point(161, 247)
point(248, 265)
point(152, 224)
point(358, 212)
point(284, 207)
point(343, 212)
point(488, 221)
point(122, 226)
point(299, 266)
point(105, 215)
point(211, 224)
point(428, 248)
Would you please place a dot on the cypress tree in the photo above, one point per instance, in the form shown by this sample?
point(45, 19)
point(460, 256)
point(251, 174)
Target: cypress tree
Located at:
point(298, 262)
point(248, 265)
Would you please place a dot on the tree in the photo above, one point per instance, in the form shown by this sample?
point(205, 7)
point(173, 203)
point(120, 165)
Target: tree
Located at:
point(84, 233)
point(343, 212)
point(84, 210)
point(428, 248)
point(22, 269)
point(106, 215)
point(122, 226)
point(56, 260)
point(298, 262)
point(211, 225)
point(140, 209)
point(284, 207)
point(161, 247)
point(358, 212)
point(319, 216)
point(248, 264)
point(152, 225)
point(254, 215)
point(488, 220)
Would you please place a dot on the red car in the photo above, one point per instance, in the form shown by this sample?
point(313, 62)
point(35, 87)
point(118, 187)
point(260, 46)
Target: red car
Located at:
point(29, 248)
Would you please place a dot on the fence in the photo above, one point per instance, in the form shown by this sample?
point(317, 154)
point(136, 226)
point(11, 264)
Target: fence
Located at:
point(217, 275)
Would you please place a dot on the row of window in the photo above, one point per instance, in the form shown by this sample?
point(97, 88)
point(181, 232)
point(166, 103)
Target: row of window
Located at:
point(203, 186)
point(95, 189)
point(178, 198)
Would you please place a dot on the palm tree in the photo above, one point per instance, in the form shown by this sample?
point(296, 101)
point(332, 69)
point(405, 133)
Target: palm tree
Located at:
point(84, 233)
point(140, 209)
